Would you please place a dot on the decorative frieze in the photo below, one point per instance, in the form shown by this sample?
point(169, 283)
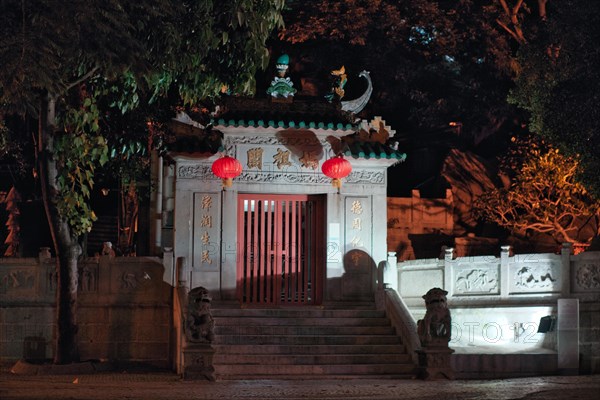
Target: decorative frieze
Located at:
point(16, 280)
point(281, 140)
point(287, 174)
point(195, 171)
point(535, 277)
point(481, 280)
point(586, 277)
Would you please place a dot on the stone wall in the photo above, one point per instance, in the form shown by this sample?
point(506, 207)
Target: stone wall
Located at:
point(497, 302)
point(416, 226)
point(124, 309)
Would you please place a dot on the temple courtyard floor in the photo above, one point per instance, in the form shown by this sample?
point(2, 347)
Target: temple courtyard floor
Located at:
point(159, 385)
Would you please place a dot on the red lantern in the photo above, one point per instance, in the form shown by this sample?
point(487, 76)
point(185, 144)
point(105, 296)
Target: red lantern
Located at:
point(337, 168)
point(227, 168)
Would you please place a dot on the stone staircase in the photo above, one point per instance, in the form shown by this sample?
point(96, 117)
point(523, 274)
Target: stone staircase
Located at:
point(340, 342)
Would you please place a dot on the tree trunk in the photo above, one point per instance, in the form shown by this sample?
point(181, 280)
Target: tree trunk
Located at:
point(66, 246)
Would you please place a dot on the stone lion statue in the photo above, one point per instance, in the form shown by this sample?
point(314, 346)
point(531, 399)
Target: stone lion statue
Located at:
point(434, 328)
point(199, 323)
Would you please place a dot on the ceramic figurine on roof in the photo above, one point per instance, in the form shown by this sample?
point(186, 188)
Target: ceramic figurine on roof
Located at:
point(337, 91)
point(337, 85)
point(282, 86)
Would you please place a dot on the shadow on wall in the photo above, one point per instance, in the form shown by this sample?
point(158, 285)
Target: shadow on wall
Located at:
point(428, 245)
point(359, 278)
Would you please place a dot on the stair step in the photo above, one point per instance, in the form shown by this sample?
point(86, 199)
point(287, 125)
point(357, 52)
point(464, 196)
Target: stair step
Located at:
point(300, 349)
point(340, 341)
point(302, 330)
point(295, 313)
point(306, 340)
point(343, 321)
point(312, 359)
point(336, 377)
point(337, 369)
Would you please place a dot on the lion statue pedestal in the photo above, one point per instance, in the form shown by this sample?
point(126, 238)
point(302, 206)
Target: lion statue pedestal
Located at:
point(434, 332)
point(199, 324)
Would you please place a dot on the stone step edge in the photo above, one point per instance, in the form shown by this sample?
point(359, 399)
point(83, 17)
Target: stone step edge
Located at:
point(287, 377)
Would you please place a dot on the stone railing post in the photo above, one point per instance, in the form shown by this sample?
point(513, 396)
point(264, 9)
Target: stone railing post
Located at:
point(504, 270)
point(44, 254)
point(448, 262)
point(168, 264)
point(565, 255)
point(390, 274)
point(182, 272)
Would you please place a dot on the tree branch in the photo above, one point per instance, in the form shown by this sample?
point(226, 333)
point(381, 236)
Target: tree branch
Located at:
point(82, 79)
point(507, 29)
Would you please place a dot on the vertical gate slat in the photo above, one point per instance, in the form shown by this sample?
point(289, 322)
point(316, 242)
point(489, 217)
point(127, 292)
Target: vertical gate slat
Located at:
point(293, 256)
point(306, 263)
point(263, 253)
point(279, 282)
point(284, 228)
point(256, 251)
point(269, 252)
point(248, 244)
point(240, 250)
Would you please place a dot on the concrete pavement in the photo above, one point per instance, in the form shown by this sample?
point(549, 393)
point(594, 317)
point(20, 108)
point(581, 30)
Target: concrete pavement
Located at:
point(159, 386)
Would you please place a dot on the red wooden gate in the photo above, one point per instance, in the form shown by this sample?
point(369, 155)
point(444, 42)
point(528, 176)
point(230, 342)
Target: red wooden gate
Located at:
point(280, 249)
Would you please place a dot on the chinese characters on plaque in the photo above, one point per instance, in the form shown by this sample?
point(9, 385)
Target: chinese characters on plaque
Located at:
point(205, 233)
point(358, 220)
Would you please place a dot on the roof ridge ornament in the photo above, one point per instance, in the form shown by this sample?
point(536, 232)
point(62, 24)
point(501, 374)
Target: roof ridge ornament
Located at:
point(357, 105)
point(282, 86)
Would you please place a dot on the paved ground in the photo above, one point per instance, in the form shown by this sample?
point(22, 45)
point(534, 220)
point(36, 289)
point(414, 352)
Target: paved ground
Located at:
point(155, 386)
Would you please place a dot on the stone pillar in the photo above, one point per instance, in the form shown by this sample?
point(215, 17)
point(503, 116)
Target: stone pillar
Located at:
point(390, 274)
point(168, 263)
point(504, 270)
point(568, 336)
point(448, 264)
point(565, 255)
point(182, 272)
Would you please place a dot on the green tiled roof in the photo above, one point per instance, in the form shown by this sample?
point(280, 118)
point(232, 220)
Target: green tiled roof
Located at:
point(284, 124)
point(299, 114)
point(372, 150)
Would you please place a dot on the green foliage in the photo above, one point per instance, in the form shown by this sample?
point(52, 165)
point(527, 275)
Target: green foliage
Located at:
point(113, 66)
point(78, 151)
point(559, 83)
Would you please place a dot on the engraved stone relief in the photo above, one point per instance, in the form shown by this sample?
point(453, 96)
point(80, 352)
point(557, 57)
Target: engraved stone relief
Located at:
point(588, 276)
point(366, 176)
point(477, 280)
point(88, 278)
point(273, 140)
point(195, 171)
point(16, 280)
point(130, 280)
point(538, 276)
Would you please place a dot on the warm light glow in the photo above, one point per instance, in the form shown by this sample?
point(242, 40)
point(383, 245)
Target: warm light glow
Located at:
point(337, 168)
point(227, 168)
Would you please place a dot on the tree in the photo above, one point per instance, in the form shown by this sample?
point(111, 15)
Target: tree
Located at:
point(559, 83)
point(544, 195)
point(432, 62)
point(60, 63)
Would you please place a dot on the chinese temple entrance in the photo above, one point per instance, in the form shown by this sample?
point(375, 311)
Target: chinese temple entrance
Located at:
point(281, 252)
